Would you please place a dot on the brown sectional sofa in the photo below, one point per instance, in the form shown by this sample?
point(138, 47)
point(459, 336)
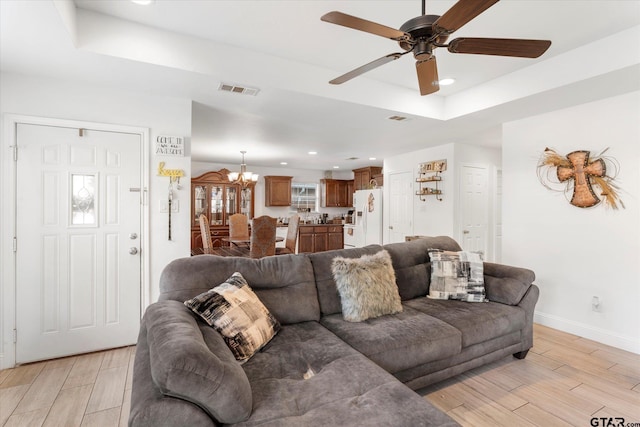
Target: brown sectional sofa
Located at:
point(319, 369)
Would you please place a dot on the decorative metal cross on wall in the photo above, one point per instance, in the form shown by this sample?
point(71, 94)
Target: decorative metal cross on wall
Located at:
point(580, 170)
point(582, 176)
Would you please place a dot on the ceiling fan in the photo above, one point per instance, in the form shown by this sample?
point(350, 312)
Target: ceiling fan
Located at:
point(421, 35)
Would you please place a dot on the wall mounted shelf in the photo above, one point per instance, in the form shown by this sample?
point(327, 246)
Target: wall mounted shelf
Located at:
point(430, 173)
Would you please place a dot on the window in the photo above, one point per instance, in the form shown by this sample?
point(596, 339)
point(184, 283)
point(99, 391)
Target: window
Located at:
point(304, 196)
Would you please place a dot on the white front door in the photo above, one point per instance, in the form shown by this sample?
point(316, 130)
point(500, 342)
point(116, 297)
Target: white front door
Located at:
point(78, 265)
point(474, 212)
point(400, 206)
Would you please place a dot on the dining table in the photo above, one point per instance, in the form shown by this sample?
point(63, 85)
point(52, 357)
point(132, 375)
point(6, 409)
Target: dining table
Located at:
point(245, 240)
point(239, 247)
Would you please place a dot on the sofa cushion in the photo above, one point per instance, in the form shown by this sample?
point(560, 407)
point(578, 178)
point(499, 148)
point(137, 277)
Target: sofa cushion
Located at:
point(412, 265)
point(238, 314)
point(476, 322)
point(398, 341)
point(327, 291)
point(285, 284)
point(194, 364)
point(307, 376)
point(367, 286)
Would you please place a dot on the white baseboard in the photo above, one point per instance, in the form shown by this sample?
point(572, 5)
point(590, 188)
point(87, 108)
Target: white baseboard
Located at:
point(586, 331)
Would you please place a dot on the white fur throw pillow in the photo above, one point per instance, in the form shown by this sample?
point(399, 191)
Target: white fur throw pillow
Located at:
point(367, 286)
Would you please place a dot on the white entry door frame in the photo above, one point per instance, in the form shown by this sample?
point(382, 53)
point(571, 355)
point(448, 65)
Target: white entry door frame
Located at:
point(8, 219)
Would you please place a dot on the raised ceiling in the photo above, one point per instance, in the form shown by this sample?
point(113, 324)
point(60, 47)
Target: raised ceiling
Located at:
point(187, 48)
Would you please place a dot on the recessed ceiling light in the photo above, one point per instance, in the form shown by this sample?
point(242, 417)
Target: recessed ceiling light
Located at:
point(446, 82)
point(143, 2)
point(283, 163)
point(372, 158)
point(336, 167)
point(313, 152)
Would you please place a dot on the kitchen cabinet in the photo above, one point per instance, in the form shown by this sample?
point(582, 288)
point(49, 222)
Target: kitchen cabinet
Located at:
point(350, 190)
point(336, 193)
point(214, 196)
point(319, 238)
point(277, 190)
point(379, 178)
point(335, 237)
point(362, 176)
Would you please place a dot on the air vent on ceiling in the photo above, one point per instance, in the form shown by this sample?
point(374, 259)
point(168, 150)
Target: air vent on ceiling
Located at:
point(351, 158)
point(243, 90)
point(397, 118)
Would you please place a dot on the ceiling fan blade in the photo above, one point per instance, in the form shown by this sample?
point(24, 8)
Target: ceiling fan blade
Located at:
point(367, 67)
point(522, 48)
point(349, 21)
point(428, 76)
point(461, 13)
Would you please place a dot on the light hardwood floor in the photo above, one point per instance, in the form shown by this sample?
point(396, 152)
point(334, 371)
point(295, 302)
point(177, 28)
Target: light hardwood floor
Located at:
point(564, 381)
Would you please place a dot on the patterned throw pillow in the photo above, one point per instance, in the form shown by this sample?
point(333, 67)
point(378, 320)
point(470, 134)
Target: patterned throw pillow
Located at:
point(235, 311)
point(367, 286)
point(456, 275)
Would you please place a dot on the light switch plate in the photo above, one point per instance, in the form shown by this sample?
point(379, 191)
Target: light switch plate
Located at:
point(164, 206)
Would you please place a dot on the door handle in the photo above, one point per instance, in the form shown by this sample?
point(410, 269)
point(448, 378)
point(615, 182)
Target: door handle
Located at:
point(133, 250)
point(465, 232)
point(391, 227)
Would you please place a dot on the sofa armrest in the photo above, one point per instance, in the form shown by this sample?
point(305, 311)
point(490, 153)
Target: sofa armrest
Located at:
point(506, 284)
point(190, 361)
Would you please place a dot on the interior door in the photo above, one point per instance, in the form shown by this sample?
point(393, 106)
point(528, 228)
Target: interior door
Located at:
point(474, 210)
point(400, 206)
point(78, 265)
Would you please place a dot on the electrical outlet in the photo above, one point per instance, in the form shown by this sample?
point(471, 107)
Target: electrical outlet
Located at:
point(596, 304)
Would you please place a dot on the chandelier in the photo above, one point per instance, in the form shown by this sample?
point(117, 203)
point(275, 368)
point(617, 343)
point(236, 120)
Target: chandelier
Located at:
point(243, 177)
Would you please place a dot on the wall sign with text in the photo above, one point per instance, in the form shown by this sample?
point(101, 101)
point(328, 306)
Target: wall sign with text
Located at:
point(170, 145)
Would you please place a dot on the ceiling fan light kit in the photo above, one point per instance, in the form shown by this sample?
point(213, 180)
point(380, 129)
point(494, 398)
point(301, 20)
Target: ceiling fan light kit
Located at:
point(423, 34)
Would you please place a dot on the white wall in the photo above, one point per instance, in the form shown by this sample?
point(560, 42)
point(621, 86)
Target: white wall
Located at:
point(75, 101)
point(430, 217)
point(577, 253)
point(433, 217)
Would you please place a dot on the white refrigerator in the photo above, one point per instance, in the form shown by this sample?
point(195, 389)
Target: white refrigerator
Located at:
point(368, 217)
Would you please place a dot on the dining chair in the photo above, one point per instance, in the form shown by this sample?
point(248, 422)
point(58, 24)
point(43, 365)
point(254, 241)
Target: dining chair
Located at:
point(205, 231)
point(263, 237)
point(238, 226)
point(292, 236)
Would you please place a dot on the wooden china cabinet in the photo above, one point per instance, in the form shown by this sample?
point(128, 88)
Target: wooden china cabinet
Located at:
point(213, 195)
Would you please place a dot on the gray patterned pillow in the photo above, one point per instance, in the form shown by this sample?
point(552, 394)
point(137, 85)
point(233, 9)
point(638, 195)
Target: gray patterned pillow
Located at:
point(456, 275)
point(367, 286)
point(235, 311)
